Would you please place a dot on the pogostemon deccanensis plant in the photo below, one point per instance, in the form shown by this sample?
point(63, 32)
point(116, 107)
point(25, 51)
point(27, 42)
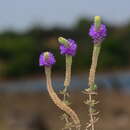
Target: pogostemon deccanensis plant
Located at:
point(47, 60)
point(68, 48)
point(98, 33)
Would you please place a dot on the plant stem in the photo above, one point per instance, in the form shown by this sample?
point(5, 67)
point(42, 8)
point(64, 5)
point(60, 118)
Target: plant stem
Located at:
point(96, 52)
point(67, 81)
point(58, 101)
point(68, 70)
point(90, 112)
point(67, 121)
point(91, 82)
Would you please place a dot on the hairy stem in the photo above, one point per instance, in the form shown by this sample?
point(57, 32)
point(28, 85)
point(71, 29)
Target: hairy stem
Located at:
point(57, 100)
point(96, 52)
point(67, 82)
point(91, 81)
point(68, 70)
point(90, 113)
point(67, 121)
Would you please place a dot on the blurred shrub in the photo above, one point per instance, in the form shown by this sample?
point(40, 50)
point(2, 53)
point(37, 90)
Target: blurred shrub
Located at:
point(19, 52)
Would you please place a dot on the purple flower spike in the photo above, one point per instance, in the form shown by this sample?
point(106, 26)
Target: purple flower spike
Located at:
point(46, 59)
point(98, 35)
point(70, 49)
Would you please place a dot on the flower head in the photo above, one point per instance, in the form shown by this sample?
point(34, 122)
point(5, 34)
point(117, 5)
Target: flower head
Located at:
point(98, 34)
point(98, 31)
point(69, 48)
point(46, 59)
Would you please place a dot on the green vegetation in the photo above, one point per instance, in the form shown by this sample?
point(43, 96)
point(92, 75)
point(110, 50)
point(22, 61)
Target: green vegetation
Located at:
point(19, 53)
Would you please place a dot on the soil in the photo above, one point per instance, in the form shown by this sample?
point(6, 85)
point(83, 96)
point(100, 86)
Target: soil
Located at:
point(36, 111)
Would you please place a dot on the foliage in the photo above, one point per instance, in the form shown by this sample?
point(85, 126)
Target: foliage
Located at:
point(19, 52)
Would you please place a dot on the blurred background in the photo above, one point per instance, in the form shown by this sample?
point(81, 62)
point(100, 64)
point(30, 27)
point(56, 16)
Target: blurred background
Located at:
point(29, 27)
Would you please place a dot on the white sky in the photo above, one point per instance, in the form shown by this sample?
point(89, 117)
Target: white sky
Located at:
point(21, 14)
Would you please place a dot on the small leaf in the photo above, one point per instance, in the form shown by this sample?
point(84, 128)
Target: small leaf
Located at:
point(94, 87)
point(88, 90)
point(67, 94)
point(67, 102)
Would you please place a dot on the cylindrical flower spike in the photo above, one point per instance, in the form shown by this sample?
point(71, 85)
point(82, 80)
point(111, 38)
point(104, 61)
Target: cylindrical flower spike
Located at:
point(63, 41)
point(98, 31)
point(47, 59)
point(68, 47)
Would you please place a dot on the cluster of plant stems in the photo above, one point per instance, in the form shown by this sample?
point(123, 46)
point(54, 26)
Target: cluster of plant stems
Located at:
point(69, 116)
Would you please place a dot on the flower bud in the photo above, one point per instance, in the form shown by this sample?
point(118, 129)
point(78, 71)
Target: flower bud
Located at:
point(63, 41)
point(46, 59)
point(98, 31)
point(97, 22)
point(67, 47)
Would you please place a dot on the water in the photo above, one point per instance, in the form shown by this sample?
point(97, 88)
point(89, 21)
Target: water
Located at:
point(117, 80)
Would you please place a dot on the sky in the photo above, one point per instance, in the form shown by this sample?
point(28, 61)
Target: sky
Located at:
point(22, 14)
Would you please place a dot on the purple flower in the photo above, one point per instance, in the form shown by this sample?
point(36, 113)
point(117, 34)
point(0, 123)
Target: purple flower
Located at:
point(46, 59)
point(98, 35)
point(70, 49)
